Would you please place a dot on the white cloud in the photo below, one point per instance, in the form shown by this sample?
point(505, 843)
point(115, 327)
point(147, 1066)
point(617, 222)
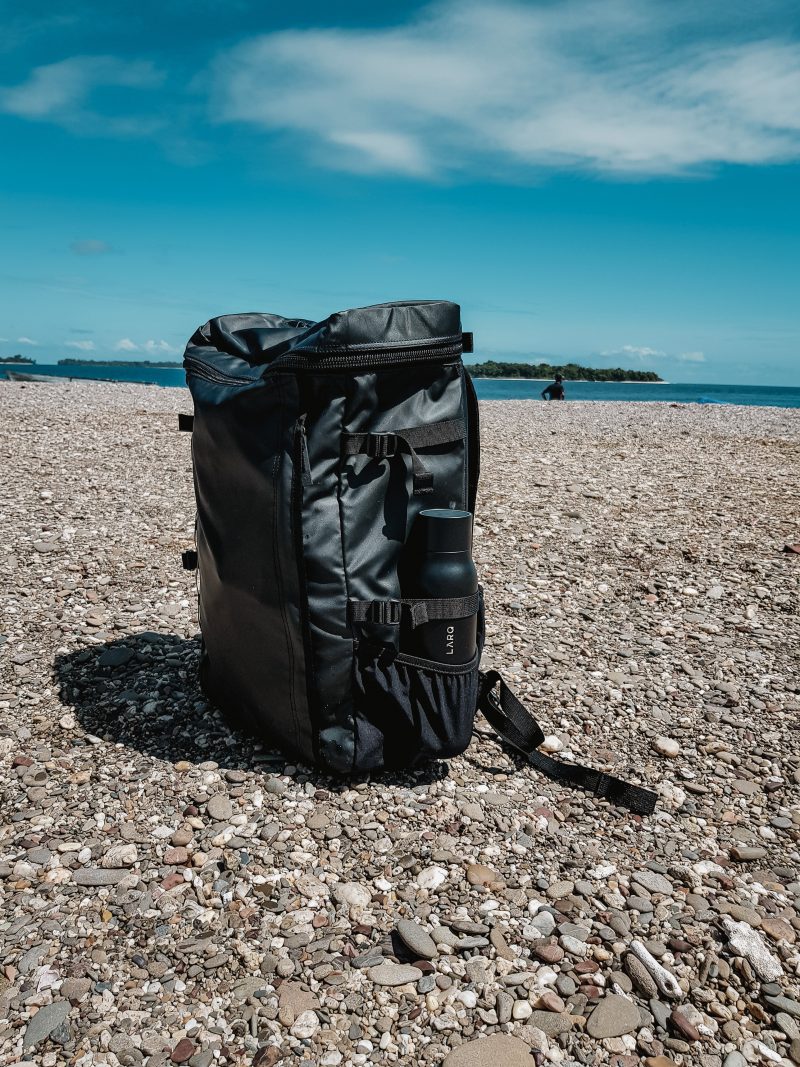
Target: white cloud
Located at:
point(637, 351)
point(83, 346)
point(692, 357)
point(620, 87)
point(162, 348)
point(26, 341)
point(90, 247)
point(61, 93)
point(152, 347)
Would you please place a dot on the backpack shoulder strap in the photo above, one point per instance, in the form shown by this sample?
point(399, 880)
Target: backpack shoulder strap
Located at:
point(518, 728)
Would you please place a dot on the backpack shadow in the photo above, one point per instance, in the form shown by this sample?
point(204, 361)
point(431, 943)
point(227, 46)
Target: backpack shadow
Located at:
point(143, 691)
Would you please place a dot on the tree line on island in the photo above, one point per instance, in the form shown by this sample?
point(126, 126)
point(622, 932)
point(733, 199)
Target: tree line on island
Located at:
point(120, 363)
point(570, 372)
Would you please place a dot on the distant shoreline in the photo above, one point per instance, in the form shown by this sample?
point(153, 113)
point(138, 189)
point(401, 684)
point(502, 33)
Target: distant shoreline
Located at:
point(566, 381)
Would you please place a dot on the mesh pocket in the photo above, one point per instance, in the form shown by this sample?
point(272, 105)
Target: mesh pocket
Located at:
point(411, 710)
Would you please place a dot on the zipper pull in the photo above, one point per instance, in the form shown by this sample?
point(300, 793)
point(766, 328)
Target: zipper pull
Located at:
point(305, 460)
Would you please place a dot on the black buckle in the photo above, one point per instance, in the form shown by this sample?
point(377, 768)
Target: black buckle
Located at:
point(385, 612)
point(381, 445)
point(189, 560)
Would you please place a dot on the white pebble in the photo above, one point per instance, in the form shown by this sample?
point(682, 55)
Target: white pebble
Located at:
point(305, 1025)
point(352, 894)
point(667, 746)
point(431, 877)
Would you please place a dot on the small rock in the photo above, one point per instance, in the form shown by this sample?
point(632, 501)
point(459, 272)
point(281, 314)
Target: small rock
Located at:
point(778, 929)
point(431, 877)
point(294, 999)
point(652, 882)
point(503, 1005)
point(744, 940)
point(183, 1051)
point(781, 1003)
point(549, 953)
point(614, 1016)
point(787, 1024)
point(685, 1028)
point(353, 894)
point(747, 853)
point(219, 807)
point(119, 856)
point(734, 1059)
point(500, 945)
point(95, 876)
point(75, 989)
point(550, 1023)
point(666, 746)
point(305, 1025)
point(640, 976)
point(47, 1019)
point(392, 974)
point(496, 1050)
point(478, 874)
point(418, 940)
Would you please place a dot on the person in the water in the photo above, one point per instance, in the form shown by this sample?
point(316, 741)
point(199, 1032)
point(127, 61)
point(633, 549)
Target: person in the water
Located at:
point(554, 391)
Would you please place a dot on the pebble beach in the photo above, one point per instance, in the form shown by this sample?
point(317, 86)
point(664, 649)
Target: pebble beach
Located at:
point(172, 892)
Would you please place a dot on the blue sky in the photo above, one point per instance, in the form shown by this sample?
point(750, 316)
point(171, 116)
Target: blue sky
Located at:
point(613, 183)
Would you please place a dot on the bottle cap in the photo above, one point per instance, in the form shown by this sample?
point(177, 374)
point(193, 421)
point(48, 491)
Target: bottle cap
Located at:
point(446, 530)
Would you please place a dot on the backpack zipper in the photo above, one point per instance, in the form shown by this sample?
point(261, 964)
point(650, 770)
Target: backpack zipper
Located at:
point(304, 458)
point(371, 357)
point(200, 369)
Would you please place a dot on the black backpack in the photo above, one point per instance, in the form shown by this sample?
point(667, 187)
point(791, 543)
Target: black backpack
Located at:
point(315, 446)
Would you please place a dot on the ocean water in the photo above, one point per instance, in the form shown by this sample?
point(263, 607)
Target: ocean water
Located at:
point(497, 388)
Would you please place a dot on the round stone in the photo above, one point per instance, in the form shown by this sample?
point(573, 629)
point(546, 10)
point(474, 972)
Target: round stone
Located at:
point(305, 1025)
point(219, 807)
point(352, 894)
point(392, 974)
point(667, 746)
point(431, 877)
point(417, 940)
point(478, 874)
point(614, 1016)
point(119, 856)
point(491, 1051)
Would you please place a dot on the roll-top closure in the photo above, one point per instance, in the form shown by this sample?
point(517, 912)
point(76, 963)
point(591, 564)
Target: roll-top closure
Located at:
point(258, 340)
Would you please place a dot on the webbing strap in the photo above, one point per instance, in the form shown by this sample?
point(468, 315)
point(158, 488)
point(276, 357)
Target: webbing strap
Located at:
point(515, 725)
point(386, 444)
point(418, 611)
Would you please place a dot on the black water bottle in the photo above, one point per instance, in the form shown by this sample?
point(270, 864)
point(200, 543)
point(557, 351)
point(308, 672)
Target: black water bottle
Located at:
point(445, 570)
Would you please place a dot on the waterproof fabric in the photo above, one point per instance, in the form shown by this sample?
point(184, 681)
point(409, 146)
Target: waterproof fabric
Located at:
point(315, 446)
